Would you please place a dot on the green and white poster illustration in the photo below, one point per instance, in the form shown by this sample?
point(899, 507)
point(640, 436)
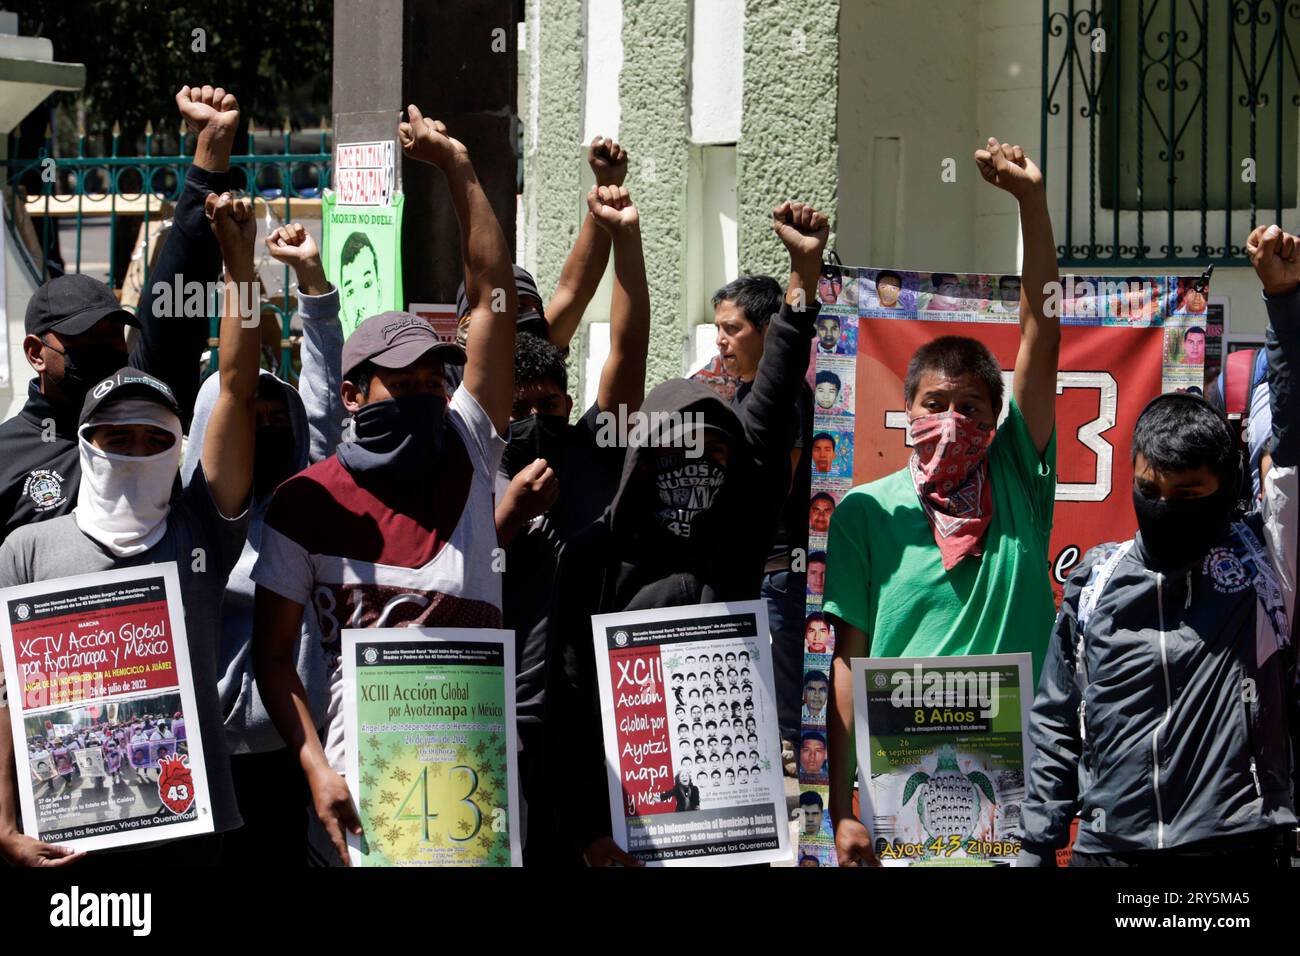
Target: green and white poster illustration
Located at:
point(363, 257)
point(943, 748)
point(430, 739)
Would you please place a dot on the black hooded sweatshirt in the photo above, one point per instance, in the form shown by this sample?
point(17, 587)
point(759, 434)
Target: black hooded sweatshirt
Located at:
point(624, 562)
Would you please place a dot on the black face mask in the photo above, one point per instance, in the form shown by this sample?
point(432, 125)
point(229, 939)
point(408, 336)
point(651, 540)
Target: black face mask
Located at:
point(274, 458)
point(686, 490)
point(1176, 533)
point(85, 366)
point(537, 436)
point(397, 438)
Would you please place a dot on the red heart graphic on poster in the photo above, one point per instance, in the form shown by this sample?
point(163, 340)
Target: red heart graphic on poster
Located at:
point(175, 783)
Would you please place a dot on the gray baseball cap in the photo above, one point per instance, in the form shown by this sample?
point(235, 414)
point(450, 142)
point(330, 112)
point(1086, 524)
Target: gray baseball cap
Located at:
point(396, 340)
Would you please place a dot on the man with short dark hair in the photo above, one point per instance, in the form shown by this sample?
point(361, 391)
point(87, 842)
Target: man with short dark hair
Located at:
point(1194, 346)
point(827, 390)
point(828, 336)
point(742, 310)
point(396, 527)
point(75, 331)
point(949, 555)
point(1170, 677)
point(889, 285)
point(820, 510)
point(129, 442)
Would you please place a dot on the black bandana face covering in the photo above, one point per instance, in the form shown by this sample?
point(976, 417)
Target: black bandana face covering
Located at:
point(398, 438)
point(1176, 533)
point(537, 436)
point(686, 489)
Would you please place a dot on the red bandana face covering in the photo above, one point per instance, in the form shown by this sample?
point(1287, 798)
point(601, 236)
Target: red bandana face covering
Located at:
point(951, 474)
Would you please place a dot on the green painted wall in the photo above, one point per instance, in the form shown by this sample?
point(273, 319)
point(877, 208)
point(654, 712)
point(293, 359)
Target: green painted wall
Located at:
point(788, 147)
point(653, 92)
point(553, 161)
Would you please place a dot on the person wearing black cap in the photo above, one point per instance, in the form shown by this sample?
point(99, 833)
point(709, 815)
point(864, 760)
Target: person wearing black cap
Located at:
point(681, 530)
point(75, 332)
point(129, 442)
point(557, 478)
point(396, 528)
point(558, 320)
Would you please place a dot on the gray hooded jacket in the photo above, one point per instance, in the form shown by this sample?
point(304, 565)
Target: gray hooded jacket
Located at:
point(315, 413)
point(1162, 715)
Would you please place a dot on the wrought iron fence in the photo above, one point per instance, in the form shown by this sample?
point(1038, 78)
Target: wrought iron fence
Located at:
point(1175, 122)
point(134, 193)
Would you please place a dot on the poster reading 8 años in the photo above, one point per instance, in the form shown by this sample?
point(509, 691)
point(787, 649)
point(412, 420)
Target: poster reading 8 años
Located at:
point(1123, 341)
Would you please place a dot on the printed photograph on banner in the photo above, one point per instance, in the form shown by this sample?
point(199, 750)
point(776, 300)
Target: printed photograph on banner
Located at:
point(813, 816)
point(1002, 296)
point(691, 741)
point(838, 286)
point(888, 294)
point(832, 450)
point(816, 693)
point(949, 292)
point(1124, 300)
point(816, 574)
point(943, 747)
point(1216, 335)
point(1190, 298)
point(103, 762)
point(820, 509)
point(102, 709)
point(815, 855)
point(430, 746)
point(812, 757)
point(833, 388)
point(837, 331)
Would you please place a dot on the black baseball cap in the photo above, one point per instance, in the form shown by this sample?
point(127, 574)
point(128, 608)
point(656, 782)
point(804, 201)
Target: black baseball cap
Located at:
point(128, 383)
point(71, 304)
point(395, 340)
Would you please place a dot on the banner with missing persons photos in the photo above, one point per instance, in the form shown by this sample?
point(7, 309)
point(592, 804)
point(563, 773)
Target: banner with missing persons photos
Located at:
point(107, 743)
point(1124, 340)
point(943, 749)
point(692, 750)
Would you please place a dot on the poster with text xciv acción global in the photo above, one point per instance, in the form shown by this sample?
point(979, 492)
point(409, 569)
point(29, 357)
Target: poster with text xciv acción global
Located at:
point(430, 740)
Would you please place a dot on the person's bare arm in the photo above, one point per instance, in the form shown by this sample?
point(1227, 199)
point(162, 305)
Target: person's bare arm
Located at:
point(852, 838)
point(489, 275)
point(228, 442)
point(583, 270)
point(622, 379)
point(276, 625)
point(1007, 167)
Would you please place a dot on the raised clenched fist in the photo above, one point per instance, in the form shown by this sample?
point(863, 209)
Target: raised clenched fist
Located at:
point(608, 161)
point(427, 140)
point(233, 225)
point(613, 208)
point(292, 244)
point(1007, 167)
point(205, 108)
point(1276, 257)
point(802, 229)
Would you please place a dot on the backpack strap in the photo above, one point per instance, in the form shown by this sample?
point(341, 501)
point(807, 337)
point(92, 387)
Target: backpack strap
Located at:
point(1102, 569)
point(1247, 549)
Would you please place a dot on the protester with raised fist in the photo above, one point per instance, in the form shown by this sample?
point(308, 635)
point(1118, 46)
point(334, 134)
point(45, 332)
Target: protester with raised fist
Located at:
point(76, 332)
point(405, 507)
point(1161, 721)
point(558, 320)
point(295, 428)
point(923, 564)
point(648, 550)
point(129, 439)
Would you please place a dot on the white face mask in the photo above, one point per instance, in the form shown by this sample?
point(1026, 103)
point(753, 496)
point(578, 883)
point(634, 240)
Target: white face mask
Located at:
point(123, 500)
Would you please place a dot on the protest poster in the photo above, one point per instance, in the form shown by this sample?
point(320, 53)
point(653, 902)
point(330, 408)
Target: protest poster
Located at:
point(363, 257)
point(692, 748)
point(99, 688)
point(364, 173)
point(431, 752)
point(943, 748)
point(1123, 341)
